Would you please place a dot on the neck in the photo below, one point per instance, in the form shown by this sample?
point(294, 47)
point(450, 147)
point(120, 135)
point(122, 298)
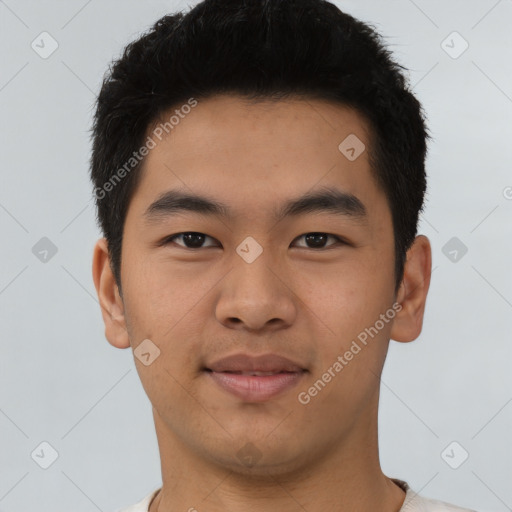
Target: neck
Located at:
point(346, 478)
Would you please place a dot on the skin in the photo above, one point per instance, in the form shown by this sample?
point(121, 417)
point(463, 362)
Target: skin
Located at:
point(293, 300)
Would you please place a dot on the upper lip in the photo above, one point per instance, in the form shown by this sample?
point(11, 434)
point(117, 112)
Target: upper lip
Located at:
point(248, 363)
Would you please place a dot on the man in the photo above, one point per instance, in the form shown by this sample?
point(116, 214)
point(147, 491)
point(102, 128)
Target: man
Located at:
point(259, 171)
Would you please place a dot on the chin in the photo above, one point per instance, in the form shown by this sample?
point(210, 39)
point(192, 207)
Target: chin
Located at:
point(258, 457)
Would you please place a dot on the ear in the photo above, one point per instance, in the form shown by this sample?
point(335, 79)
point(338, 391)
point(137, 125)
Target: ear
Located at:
point(412, 294)
point(112, 307)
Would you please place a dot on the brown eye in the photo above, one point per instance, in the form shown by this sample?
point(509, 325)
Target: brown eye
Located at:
point(318, 240)
point(194, 240)
point(191, 239)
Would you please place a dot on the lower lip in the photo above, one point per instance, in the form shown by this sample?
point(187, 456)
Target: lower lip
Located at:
point(254, 388)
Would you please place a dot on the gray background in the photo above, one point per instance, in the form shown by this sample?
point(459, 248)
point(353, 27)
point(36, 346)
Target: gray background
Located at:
point(61, 382)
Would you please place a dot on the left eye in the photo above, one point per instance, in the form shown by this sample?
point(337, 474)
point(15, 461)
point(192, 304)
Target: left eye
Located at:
point(194, 240)
point(318, 239)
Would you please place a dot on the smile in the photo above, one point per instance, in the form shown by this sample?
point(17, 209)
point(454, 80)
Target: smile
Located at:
point(254, 386)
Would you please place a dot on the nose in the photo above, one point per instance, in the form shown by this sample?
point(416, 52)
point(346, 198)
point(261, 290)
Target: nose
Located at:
point(257, 296)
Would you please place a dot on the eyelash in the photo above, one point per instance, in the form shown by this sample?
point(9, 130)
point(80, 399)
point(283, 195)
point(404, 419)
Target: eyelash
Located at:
point(170, 239)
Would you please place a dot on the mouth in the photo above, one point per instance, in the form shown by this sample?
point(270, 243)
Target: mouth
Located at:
point(255, 379)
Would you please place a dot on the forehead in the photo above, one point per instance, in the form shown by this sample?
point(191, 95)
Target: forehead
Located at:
point(255, 156)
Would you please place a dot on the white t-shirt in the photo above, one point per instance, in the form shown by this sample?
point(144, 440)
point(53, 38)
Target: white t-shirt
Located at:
point(413, 502)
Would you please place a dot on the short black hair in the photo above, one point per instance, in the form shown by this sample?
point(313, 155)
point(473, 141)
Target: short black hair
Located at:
point(258, 50)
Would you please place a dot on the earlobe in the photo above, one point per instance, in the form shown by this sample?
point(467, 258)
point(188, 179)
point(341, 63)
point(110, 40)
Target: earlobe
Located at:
point(112, 308)
point(413, 291)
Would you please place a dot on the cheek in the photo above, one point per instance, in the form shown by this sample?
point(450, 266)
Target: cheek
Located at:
point(342, 293)
point(163, 305)
point(157, 294)
point(345, 302)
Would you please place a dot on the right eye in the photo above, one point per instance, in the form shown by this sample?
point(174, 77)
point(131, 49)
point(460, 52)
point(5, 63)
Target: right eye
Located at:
point(191, 239)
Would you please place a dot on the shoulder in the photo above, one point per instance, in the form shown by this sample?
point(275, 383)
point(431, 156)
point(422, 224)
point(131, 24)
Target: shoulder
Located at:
point(141, 506)
point(421, 504)
point(415, 503)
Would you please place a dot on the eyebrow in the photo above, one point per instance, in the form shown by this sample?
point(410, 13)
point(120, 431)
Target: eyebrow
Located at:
point(326, 200)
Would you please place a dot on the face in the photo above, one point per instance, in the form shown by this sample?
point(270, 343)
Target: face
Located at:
point(312, 288)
